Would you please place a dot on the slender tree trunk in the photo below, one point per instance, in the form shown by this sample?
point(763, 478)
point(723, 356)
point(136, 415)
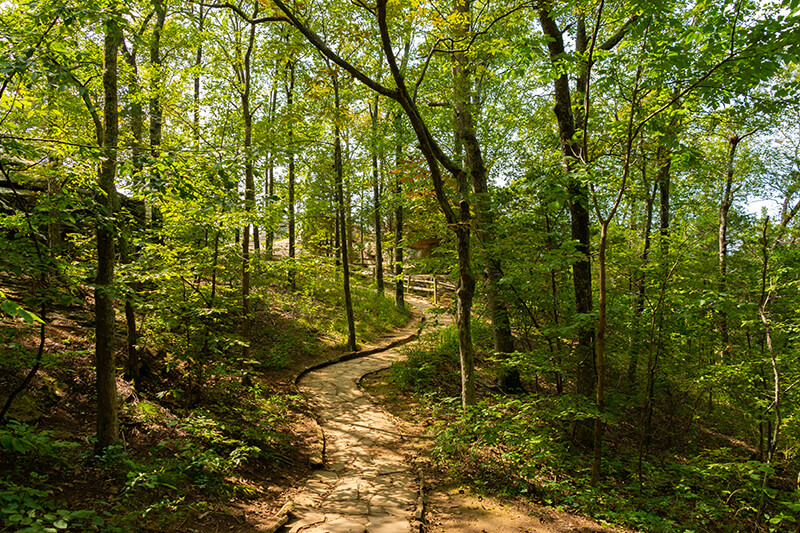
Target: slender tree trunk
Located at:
point(256, 241)
point(376, 200)
point(133, 364)
point(107, 422)
point(641, 282)
point(338, 166)
point(243, 74)
point(269, 237)
point(555, 303)
point(156, 111)
point(270, 178)
point(772, 442)
point(600, 348)
point(724, 209)
point(201, 18)
point(290, 139)
point(602, 320)
point(663, 183)
point(399, 295)
point(337, 233)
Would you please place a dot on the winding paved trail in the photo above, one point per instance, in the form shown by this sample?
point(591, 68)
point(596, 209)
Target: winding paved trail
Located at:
point(368, 482)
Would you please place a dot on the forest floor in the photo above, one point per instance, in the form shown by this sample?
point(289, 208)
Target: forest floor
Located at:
point(373, 474)
point(376, 474)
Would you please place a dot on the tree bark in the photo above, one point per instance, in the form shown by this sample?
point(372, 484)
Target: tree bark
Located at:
point(198, 64)
point(399, 296)
point(291, 208)
point(376, 200)
point(107, 421)
point(572, 151)
point(156, 111)
point(641, 281)
point(664, 158)
point(338, 166)
point(722, 241)
point(243, 74)
point(484, 217)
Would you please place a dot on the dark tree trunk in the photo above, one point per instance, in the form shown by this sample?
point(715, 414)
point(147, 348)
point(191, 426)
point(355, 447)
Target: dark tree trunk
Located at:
point(724, 209)
point(338, 166)
point(269, 181)
point(578, 206)
point(399, 294)
point(269, 237)
point(107, 421)
point(376, 200)
point(243, 75)
point(133, 364)
point(663, 183)
point(484, 217)
point(290, 139)
point(201, 18)
point(641, 281)
point(156, 111)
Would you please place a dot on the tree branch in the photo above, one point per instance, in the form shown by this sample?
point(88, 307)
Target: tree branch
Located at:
point(236, 9)
point(315, 40)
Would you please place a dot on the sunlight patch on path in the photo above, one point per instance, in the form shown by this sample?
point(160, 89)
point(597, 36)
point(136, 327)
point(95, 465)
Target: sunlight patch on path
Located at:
point(368, 483)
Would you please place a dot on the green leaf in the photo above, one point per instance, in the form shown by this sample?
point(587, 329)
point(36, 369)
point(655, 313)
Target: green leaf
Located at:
point(18, 445)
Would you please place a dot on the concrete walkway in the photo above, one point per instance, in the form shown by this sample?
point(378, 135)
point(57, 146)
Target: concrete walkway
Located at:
point(367, 483)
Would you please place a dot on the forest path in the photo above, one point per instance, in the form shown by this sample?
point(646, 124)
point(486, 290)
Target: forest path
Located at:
point(370, 480)
point(368, 483)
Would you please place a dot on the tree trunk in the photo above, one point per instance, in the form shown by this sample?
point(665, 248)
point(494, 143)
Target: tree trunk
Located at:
point(399, 296)
point(641, 281)
point(337, 163)
point(600, 348)
point(269, 237)
point(107, 422)
point(556, 350)
point(133, 365)
point(269, 178)
point(198, 64)
point(376, 200)
point(484, 217)
point(572, 152)
point(243, 75)
point(290, 140)
point(724, 209)
point(156, 111)
point(664, 158)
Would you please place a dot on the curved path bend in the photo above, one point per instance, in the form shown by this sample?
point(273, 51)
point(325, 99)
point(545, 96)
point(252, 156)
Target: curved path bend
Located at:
point(368, 483)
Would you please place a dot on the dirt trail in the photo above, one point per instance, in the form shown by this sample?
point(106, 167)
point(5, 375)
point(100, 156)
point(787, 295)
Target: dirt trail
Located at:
point(369, 483)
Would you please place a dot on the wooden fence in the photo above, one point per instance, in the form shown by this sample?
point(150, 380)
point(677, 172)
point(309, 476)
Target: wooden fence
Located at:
point(429, 285)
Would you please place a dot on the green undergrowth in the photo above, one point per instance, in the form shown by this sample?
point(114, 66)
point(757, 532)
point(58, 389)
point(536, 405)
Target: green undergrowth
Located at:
point(202, 457)
point(523, 445)
point(207, 426)
point(318, 303)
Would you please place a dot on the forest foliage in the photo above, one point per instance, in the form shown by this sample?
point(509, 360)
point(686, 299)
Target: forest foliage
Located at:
point(613, 186)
